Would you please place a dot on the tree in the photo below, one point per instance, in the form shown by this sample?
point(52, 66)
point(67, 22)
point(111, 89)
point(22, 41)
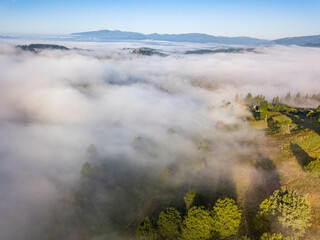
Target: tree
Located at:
point(275, 236)
point(227, 217)
point(285, 211)
point(309, 114)
point(198, 224)
point(318, 109)
point(248, 98)
point(169, 224)
point(264, 106)
point(264, 115)
point(298, 98)
point(191, 198)
point(147, 230)
point(171, 131)
point(204, 146)
point(288, 97)
point(166, 175)
point(86, 173)
point(92, 151)
point(236, 99)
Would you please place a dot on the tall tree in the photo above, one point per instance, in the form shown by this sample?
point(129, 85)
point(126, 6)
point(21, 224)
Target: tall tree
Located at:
point(147, 230)
point(248, 98)
point(198, 224)
point(288, 97)
point(191, 198)
point(286, 212)
point(227, 218)
point(169, 224)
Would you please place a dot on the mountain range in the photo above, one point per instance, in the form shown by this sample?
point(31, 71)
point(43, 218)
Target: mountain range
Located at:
point(108, 35)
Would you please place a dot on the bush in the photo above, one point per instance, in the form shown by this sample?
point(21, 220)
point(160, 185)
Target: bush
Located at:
point(169, 224)
point(272, 124)
point(147, 230)
point(285, 212)
point(227, 218)
point(314, 167)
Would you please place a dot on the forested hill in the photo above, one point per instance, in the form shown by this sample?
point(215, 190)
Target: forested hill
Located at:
point(105, 35)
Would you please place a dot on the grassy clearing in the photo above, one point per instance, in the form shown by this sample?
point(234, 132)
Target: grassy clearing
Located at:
point(288, 152)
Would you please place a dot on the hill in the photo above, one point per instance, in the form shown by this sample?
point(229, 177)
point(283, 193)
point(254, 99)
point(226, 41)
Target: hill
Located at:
point(37, 47)
point(107, 35)
point(308, 41)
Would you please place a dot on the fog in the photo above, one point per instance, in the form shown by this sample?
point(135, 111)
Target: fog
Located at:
point(55, 104)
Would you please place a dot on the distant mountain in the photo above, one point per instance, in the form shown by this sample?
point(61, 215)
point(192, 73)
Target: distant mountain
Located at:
point(7, 37)
point(107, 35)
point(308, 41)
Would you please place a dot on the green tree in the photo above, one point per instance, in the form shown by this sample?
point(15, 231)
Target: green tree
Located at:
point(264, 106)
point(171, 131)
point(264, 115)
point(147, 230)
point(191, 198)
point(198, 224)
point(166, 175)
point(275, 100)
point(298, 98)
point(248, 98)
point(169, 224)
point(275, 236)
point(86, 173)
point(204, 146)
point(310, 114)
point(236, 99)
point(288, 97)
point(318, 109)
point(92, 151)
point(227, 218)
point(285, 212)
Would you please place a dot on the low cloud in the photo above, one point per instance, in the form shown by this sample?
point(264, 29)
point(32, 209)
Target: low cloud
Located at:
point(54, 104)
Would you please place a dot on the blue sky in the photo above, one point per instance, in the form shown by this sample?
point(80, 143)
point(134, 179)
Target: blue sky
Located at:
point(257, 18)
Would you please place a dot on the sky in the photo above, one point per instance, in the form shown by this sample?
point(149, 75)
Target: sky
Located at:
point(268, 19)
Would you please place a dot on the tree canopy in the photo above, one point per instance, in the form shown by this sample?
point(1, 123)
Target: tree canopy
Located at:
point(286, 212)
point(147, 230)
point(198, 224)
point(169, 224)
point(227, 217)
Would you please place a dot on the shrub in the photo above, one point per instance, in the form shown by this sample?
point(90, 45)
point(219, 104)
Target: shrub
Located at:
point(314, 167)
